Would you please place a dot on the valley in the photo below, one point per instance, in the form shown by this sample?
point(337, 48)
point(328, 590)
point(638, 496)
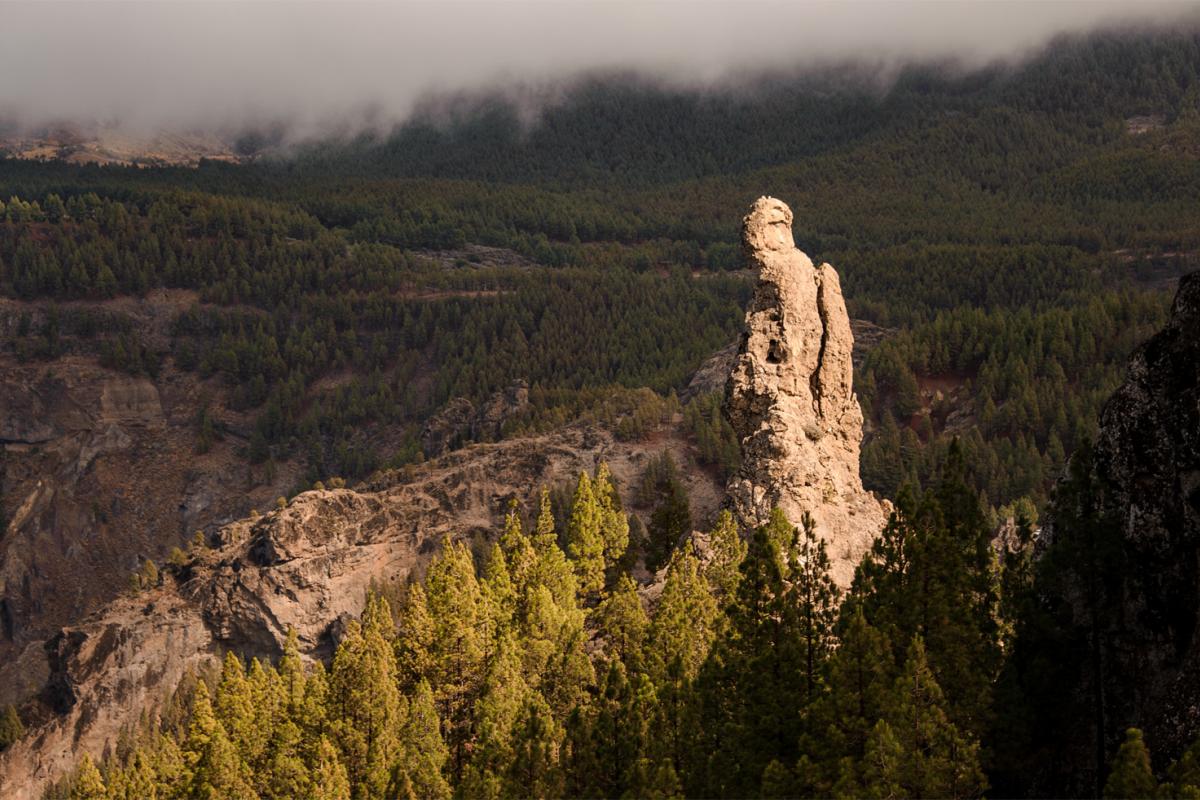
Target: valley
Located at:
point(591, 451)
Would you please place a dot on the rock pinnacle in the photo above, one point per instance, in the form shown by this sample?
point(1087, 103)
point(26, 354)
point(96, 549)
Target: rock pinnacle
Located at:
point(790, 397)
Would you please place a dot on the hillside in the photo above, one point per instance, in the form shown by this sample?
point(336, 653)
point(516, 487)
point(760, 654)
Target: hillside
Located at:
point(179, 346)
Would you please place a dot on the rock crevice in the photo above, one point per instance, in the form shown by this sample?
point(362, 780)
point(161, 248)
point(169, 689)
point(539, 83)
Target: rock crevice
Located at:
point(790, 397)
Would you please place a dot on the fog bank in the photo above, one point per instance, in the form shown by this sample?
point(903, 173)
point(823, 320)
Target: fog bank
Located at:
point(331, 65)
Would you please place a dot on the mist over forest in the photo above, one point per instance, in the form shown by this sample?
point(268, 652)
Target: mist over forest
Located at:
point(599, 399)
point(315, 70)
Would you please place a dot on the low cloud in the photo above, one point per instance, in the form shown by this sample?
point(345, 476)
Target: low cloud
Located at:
point(339, 65)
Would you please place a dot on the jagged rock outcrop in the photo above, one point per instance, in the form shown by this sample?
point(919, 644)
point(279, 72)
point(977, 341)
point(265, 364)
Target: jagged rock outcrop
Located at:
point(790, 397)
point(98, 471)
point(1145, 479)
point(307, 566)
point(459, 421)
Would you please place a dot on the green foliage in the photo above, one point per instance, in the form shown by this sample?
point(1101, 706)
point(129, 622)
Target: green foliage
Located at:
point(1131, 776)
point(671, 520)
point(728, 551)
point(147, 577)
point(585, 540)
point(1000, 229)
point(492, 685)
point(931, 574)
point(935, 759)
point(89, 784)
point(11, 728)
point(717, 444)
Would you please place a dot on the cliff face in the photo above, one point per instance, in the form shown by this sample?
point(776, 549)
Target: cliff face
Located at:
point(1113, 640)
point(307, 566)
point(1147, 461)
point(99, 471)
point(790, 397)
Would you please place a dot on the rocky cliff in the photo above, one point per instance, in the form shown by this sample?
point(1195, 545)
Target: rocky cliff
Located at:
point(307, 566)
point(1147, 465)
point(1112, 639)
point(99, 471)
point(790, 397)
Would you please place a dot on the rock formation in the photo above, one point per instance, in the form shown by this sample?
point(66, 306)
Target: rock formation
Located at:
point(1145, 479)
point(307, 566)
point(98, 471)
point(790, 397)
point(460, 421)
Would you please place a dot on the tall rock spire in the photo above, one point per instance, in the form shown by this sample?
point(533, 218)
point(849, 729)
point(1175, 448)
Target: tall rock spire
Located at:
point(790, 397)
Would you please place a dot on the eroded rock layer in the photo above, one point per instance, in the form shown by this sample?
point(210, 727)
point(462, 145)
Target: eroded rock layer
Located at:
point(306, 566)
point(790, 397)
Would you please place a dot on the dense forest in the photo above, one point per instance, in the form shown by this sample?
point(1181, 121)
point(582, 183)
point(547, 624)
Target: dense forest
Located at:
point(1007, 231)
point(1004, 228)
point(533, 668)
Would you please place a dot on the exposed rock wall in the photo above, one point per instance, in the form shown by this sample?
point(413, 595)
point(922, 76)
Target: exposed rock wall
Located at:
point(790, 397)
point(98, 471)
point(307, 566)
point(1147, 462)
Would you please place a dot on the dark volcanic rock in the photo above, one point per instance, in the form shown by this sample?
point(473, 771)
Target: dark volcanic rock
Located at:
point(1147, 458)
point(1118, 583)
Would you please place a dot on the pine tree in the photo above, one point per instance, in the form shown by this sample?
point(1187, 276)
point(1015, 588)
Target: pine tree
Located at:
point(777, 782)
point(552, 569)
point(169, 764)
point(611, 737)
point(234, 707)
point(1131, 776)
point(728, 550)
point(458, 648)
point(814, 599)
point(623, 623)
point(556, 664)
point(938, 760)
point(931, 574)
point(750, 690)
point(329, 778)
point(423, 750)
point(614, 525)
point(88, 783)
point(504, 694)
point(685, 620)
point(859, 678)
point(544, 534)
point(1185, 773)
point(585, 544)
point(500, 599)
point(10, 727)
point(881, 769)
point(313, 715)
point(670, 522)
point(519, 554)
point(215, 770)
point(655, 779)
point(138, 781)
point(414, 640)
point(291, 673)
point(365, 702)
point(284, 773)
point(680, 636)
point(534, 771)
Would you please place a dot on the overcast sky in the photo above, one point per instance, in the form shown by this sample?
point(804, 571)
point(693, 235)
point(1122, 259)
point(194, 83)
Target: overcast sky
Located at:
point(212, 64)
